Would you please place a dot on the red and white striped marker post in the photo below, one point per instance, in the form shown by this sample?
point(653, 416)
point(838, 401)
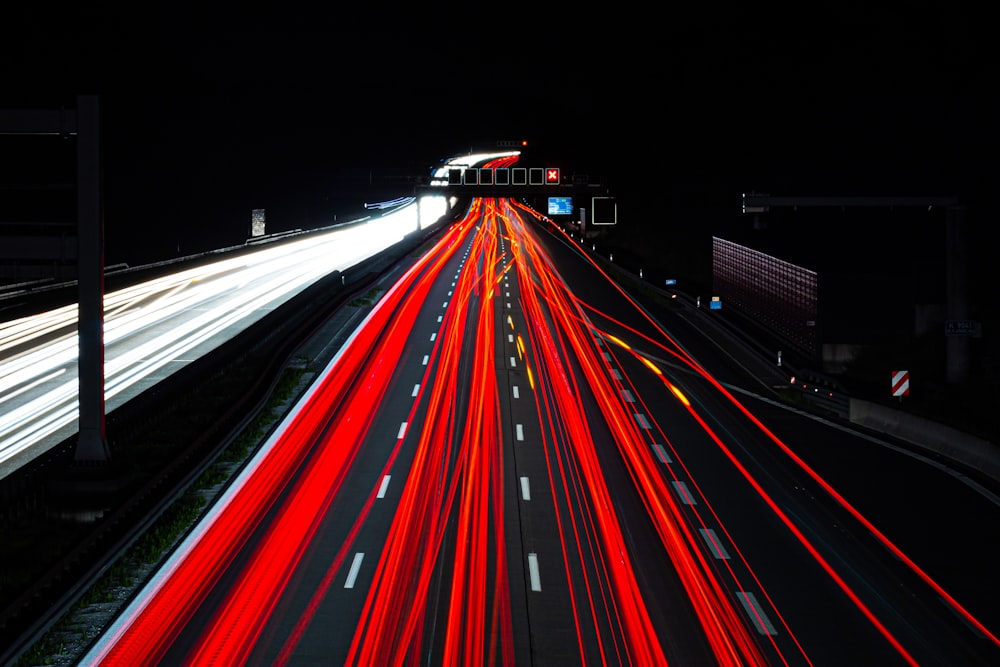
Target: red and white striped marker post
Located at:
point(901, 384)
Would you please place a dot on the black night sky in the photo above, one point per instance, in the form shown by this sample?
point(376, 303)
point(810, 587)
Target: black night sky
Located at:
point(210, 113)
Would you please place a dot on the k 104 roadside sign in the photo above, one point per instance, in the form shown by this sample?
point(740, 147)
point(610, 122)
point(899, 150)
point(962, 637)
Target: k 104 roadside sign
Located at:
point(962, 328)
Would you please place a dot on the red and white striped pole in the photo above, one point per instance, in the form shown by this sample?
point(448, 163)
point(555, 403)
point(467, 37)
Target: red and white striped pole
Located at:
point(901, 384)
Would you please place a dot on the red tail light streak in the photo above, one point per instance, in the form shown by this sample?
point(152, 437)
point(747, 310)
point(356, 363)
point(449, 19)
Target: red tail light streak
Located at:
point(669, 346)
point(450, 523)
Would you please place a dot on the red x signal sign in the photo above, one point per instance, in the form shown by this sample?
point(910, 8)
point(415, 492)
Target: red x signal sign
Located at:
point(552, 175)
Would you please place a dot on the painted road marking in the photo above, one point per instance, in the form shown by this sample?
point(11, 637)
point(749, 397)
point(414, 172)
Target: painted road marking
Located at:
point(517, 392)
point(385, 485)
point(416, 390)
point(355, 566)
point(682, 491)
point(536, 582)
point(520, 432)
point(643, 422)
point(444, 305)
point(714, 545)
point(627, 395)
point(513, 362)
point(440, 317)
point(525, 489)
point(760, 619)
point(510, 338)
point(402, 431)
point(426, 359)
point(661, 454)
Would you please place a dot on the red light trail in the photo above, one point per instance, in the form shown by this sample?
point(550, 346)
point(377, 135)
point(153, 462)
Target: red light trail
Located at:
point(449, 531)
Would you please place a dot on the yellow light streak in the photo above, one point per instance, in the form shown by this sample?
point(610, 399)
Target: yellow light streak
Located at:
point(617, 341)
point(678, 394)
point(653, 367)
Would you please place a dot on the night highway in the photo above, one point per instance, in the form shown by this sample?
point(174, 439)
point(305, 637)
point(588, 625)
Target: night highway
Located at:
point(457, 426)
point(155, 327)
point(512, 462)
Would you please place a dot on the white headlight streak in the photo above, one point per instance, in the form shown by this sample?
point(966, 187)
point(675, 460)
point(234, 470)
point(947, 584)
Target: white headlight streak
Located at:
point(154, 328)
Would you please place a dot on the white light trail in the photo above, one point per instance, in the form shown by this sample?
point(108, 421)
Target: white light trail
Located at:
point(169, 320)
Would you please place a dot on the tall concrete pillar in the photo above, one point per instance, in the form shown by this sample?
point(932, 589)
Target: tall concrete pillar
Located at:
point(958, 349)
point(92, 441)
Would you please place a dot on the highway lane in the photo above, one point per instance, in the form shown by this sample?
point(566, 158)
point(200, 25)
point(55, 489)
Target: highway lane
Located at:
point(487, 472)
point(154, 328)
point(938, 523)
point(818, 575)
point(445, 575)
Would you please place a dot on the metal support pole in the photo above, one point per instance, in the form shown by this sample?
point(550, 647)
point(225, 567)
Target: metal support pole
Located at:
point(958, 349)
point(92, 441)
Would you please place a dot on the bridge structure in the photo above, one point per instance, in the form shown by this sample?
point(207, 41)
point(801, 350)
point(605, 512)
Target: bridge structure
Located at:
point(580, 191)
point(478, 181)
point(565, 195)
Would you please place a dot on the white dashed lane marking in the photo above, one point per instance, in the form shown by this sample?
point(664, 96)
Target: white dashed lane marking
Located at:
point(352, 575)
point(682, 491)
point(536, 582)
point(757, 615)
point(714, 545)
